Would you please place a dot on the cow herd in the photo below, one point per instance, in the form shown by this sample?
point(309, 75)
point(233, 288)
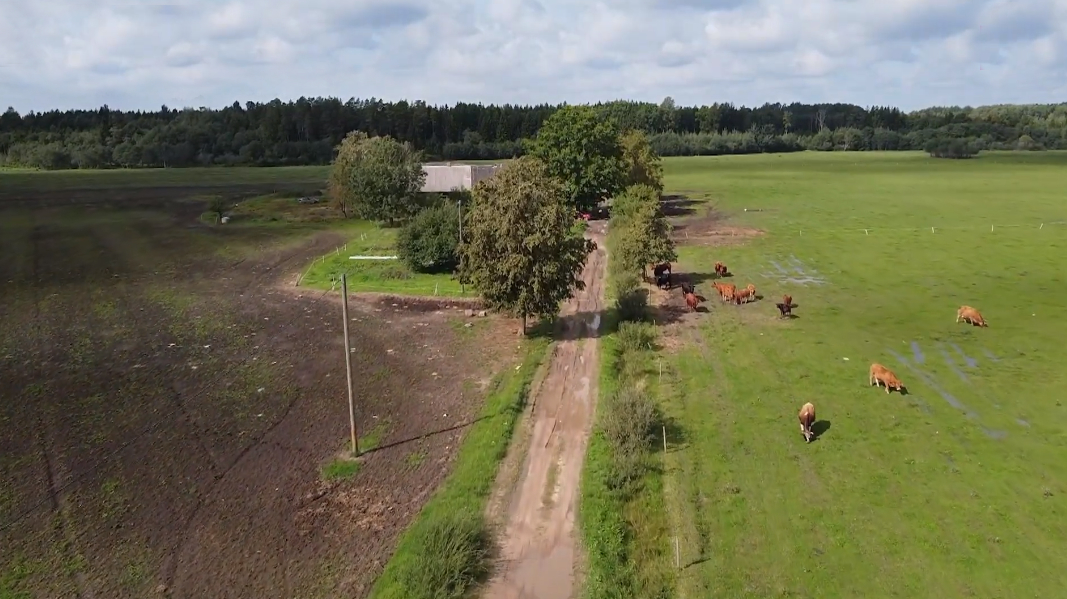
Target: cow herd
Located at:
point(878, 374)
point(728, 292)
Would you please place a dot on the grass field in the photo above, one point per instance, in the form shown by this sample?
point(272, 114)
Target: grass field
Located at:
point(956, 488)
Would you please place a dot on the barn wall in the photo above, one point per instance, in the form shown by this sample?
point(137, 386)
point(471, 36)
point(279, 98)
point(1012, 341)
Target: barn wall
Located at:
point(444, 178)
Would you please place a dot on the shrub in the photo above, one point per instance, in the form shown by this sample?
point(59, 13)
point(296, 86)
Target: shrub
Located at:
point(430, 242)
point(635, 337)
point(217, 206)
point(628, 426)
point(453, 557)
point(631, 301)
point(951, 148)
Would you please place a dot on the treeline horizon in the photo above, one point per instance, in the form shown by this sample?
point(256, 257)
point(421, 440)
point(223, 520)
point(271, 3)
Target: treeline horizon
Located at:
point(307, 131)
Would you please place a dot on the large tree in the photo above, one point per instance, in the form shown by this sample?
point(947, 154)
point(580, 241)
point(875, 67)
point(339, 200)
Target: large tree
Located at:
point(643, 165)
point(376, 178)
point(640, 232)
point(583, 152)
point(519, 249)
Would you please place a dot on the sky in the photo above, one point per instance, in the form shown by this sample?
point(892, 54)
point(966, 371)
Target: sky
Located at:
point(905, 53)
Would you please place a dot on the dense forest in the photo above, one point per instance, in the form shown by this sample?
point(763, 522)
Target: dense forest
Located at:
point(308, 130)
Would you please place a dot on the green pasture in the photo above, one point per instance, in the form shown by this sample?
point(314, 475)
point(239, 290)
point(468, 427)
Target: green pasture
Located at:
point(955, 489)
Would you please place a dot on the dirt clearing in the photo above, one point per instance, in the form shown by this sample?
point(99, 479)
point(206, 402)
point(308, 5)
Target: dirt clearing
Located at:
point(539, 546)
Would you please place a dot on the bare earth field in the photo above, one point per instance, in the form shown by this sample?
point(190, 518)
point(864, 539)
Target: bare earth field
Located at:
point(167, 400)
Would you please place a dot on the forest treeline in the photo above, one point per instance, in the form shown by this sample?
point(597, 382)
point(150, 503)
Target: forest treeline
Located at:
point(307, 131)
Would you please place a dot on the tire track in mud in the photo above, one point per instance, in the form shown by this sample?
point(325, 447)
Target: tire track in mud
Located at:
point(45, 442)
point(172, 567)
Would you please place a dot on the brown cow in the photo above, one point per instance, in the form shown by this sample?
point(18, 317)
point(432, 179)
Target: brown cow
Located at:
point(786, 307)
point(807, 418)
point(727, 290)
point(692, 301)
point(748, 294)
point(720, 269)
point(881, 375)
point(969, 314)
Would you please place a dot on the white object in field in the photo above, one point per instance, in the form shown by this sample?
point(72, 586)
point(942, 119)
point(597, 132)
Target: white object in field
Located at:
point(225, 219)
point(372, 257)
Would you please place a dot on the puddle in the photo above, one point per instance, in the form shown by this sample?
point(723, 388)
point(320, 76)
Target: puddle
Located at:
point(917, 352)
point(1022, 422)
point(952, 364)
point(949, 398)
point(971, 362)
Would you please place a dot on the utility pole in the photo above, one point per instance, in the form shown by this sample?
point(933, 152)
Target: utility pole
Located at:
point(462, 286)
point(348, 365)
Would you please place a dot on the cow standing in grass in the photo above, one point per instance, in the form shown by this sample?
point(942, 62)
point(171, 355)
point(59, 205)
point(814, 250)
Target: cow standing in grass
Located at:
point(881, 375)
point(969, 314)
point(807, 418)
point(786, 306)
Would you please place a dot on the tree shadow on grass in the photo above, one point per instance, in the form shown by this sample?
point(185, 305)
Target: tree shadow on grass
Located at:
point(677, 439)
point(677, 205)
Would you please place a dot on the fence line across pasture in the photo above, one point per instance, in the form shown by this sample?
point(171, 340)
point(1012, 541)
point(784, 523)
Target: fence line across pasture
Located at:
point(993, 227)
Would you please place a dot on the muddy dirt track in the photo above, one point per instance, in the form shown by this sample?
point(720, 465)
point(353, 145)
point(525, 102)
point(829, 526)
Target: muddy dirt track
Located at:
point(538, 545)
point(167, 399)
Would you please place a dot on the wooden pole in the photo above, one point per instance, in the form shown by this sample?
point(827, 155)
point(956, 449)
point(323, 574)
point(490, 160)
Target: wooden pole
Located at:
point(462, 286)
point(348, 365)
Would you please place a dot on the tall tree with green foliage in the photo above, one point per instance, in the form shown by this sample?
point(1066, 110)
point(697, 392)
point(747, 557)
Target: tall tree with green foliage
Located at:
point(519, 249)
point(376, 178)
point(643, 165)
point(641, 232)
point(583, 152)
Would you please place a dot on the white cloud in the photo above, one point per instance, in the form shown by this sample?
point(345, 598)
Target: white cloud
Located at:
point(909, 53)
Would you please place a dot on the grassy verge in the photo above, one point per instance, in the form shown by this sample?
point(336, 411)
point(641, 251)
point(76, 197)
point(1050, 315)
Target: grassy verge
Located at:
point(446, 549)
point(379, 276)
point(621, 514)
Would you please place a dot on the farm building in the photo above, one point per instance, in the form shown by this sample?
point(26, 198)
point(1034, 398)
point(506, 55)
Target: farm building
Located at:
point(443, 178)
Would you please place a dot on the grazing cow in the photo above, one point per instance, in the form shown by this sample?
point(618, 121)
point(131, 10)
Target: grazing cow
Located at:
point(969, 314)
point(687, 288)
point(691, 301)
point(720, 269)
point(881, 375)
point(807, 418)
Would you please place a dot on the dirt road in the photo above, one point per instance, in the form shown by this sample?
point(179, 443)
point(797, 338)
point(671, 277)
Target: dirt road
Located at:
point(538, 552)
